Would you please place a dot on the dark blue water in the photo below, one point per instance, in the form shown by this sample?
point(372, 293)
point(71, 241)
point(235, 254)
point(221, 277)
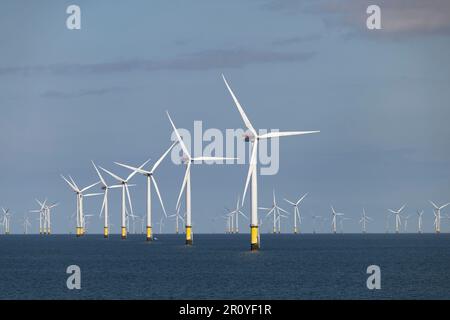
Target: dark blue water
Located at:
point(222, 267)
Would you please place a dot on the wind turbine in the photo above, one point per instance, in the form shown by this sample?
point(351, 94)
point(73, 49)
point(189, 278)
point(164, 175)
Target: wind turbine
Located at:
point(125, 194)
point(41, 214)
point(296, 211)
point(161, 224)
point(419, 220)
point(437, 214)
point(6, 220)
point(334, 216)
point(151, 179)
point(105, 207)
point(406, 222)
point(275, 210)
point(80, 196)
point(364, 220)
point(188, 160)
point(398, 221)
point(177, 217)
point(253, 137)
point(236, 213)
point(315, 217)
point(26, 224)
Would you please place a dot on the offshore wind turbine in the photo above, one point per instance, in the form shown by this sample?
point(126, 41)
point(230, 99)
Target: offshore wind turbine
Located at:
point(334, 216)
point(253, 137)
point(80, 209)
point(398, 221)
point(105, 207)
point(125, 195)
point(406, 222)
point(419, 220)
point(46, 214)
point(296, 212)
point(6, 220)
point(364, 220)
point(275, 211)
point(188, 160)
point(26, 224)
point(151, 180)
point(236, 213)
point(41, 214)
point(177, 217)
point(437, 215)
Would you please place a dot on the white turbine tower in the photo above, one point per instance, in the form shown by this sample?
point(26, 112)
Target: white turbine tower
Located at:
point(296, 212)
point(80, 209)
point(364, 220)
point(188, 160)
point(334, 216)
point(419, 220)
point(437, 215)
point(151, 180)
point(398, 220)
point(105, 207)
point(254, 138)
point(125, 195)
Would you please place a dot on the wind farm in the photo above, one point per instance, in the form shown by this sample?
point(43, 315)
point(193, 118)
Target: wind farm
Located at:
point(261, 150)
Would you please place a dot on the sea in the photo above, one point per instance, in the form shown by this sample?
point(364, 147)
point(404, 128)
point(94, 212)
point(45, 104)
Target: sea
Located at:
point(221, 266)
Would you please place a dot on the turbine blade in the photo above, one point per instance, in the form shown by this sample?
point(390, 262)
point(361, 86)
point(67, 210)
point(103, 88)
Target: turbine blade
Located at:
point(133, 168)
point(285, 134)
point(88, 187)
point(159, 195)
point(135, 171)
point(157, 163)
point(99, 175)
point(240, 109)
point(129, 198)
point(184, 182)
point(250, 171)
point(70, 184)
point(183, 146)
point(113, 175)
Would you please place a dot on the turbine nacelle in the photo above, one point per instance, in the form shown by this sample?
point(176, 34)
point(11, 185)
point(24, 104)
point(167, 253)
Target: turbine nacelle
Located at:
point(249, 136)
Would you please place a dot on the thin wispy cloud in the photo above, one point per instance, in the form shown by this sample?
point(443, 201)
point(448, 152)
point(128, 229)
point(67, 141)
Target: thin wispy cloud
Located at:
point(55, 94)
point(198, 61)
point(399, 17)
point(296, 40)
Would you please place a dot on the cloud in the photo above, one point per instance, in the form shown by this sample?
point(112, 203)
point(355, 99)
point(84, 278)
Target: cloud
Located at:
point(399, 17)
point(54, 94)
point(202, 60)
point(296, 40)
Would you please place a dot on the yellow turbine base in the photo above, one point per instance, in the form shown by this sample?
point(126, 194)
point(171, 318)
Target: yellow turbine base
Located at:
point(149, 234)
point(78, 231)
point(188, 235)
point(254, 238)
point(124, 232)
point(105, 232)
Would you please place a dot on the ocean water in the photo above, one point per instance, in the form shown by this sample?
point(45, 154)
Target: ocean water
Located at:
point(311, 266)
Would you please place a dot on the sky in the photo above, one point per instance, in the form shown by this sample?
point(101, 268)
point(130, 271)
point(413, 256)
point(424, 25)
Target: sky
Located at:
point(379, 97)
